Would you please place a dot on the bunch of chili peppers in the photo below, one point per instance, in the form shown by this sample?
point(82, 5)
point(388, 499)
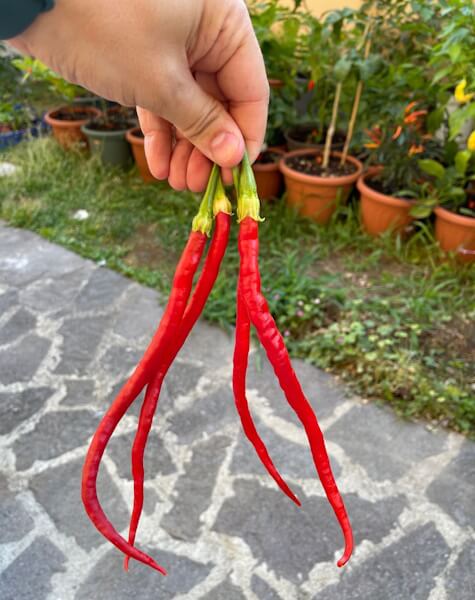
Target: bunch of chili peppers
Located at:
point(184, 307)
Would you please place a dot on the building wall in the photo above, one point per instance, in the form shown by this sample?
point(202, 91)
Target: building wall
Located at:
point(320, 6)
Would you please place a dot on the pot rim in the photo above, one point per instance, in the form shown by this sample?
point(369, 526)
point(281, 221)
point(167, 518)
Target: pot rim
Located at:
point(51, 120)
point(317, 179)
point(365, 189)
point(132, 138)
point(273, 166)
point(103, 134)
point(447, 215)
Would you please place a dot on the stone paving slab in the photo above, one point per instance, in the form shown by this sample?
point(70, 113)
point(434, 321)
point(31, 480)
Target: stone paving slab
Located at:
point(70, 332)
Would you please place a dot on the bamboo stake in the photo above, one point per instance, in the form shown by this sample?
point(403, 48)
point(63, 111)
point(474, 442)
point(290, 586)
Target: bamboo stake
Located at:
point(366, 41)
point(332, 127)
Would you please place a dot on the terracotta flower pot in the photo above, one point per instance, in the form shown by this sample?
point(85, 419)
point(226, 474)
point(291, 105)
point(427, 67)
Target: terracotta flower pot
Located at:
point(68, 131)
point(268, 177)
point(135, 138)
point(455, 233)
point(380, 212)
point(314, 196)
point(276, 83)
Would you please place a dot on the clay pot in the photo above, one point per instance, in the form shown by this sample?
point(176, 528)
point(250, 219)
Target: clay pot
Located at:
point(268, 177)
point(276, 83)
point(314, 196)
point(68, 132)
point(380, 212)
point(455, 233)
point(135, 138)
point(111, 145)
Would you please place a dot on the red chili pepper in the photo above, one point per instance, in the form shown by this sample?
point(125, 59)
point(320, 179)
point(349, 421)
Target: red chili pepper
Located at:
point(222, 210)
point(165, 336)
point(241, 353)
point(311, 85)
point(273, 343)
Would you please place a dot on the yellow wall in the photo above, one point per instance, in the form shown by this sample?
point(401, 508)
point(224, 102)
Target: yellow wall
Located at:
point(320, 6)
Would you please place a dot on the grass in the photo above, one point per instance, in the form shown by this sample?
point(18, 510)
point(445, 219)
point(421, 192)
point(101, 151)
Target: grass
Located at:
point(391, 318)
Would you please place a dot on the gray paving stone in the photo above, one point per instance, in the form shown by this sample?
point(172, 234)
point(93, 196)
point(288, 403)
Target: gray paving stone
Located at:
point(81, 336)
point(460, 582)
point(16, 407)
point(25, 257)
point(157, 459)
point(405, 570)
point(19, 362)
point(322, 392)
point(49, 295)
point(79, 392)
point(262, 589)
point(7, 300)
point(55, 434)
point(120, 360)
point(182, 378)
point(58, 490)
point(139, 314)
point(108, 581)
point(29, 575)
point(225, 591)
point(454, 489)
point(102, 290)
point(206, 415)
point(17, 325)
point(194, 488)
point(210, 344)
point(284, 536)
point(373, 437)
point(290, 459)
point(15, 522)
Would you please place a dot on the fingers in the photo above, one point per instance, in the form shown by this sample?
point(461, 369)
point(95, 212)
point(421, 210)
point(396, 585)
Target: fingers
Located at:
point(157, 142)
point(243, 81)
point(204, 121)
point(179, 163)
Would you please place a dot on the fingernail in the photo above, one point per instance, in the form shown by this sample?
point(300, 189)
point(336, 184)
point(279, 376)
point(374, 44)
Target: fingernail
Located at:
point(226, 148)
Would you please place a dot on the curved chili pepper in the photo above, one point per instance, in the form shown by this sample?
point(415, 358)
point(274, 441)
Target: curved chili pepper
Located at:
point(273, 343)
point(222, 210)
point(165, 335)
point(241, 353)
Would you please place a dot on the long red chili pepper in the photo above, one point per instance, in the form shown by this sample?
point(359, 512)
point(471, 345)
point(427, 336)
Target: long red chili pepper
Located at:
point(165, 335)
point(273, 343)
point(241, 353)
point(222, 212)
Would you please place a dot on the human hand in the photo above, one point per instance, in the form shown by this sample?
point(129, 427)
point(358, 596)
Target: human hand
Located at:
point(193, 68)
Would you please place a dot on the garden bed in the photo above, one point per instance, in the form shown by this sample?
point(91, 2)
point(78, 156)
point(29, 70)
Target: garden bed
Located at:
point(394, 321)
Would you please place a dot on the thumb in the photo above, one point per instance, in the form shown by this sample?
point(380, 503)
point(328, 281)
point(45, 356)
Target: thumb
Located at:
point(204, 121)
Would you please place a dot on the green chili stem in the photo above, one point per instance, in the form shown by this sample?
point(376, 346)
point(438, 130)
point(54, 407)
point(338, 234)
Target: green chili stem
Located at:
point(203, 220)
point(248, 200)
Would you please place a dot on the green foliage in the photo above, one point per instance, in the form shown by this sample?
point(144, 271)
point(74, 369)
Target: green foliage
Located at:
point(37, 71)
point(393, 320)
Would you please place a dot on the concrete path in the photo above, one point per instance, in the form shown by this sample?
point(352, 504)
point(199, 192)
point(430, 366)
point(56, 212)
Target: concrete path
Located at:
point(71, 331)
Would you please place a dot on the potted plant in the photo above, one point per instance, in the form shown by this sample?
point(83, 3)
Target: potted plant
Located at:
point(267, 174)
point(135, 138)
point(388, 188)
point(106, 135)
point(17, 121)
point(67, 120)
point(317, 180)
point(448, 192)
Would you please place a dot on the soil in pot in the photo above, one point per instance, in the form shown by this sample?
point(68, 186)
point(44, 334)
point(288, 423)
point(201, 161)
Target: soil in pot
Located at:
point(315, 192)
point(380, 211)
point(268, 176)
point(308, 135)
point(107, 138)
point(135, 138)
point(66, 123)
point(455, 233)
